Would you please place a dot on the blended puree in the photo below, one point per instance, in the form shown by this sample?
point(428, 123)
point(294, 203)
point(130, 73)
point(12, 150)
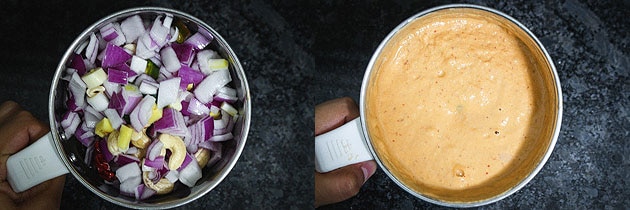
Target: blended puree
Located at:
point(453, 106)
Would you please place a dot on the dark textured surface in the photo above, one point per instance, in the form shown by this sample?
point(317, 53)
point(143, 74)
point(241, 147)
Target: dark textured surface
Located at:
point(298, 54)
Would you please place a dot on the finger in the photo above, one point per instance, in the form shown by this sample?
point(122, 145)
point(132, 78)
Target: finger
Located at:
point(8, 108)
point(35, 191)
point(342, 183)
point(334, 113)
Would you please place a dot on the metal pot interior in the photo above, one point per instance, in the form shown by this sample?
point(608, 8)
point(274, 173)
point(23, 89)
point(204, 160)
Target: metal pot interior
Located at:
point(72, 152)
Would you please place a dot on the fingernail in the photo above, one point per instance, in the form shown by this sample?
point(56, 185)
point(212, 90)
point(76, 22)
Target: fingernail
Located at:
point(368, 169)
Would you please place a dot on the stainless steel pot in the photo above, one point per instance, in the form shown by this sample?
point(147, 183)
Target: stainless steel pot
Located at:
point(55, 154)
point(354, 141)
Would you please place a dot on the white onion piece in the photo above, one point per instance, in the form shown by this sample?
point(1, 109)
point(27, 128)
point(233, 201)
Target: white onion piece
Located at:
point(129, 186)
point(111, 87)
point(148, 87)
point(70, 123)
point(99, 102)
point(120, 39)
point(128, 171)
point(223, 137)
point(172, 176)
point(146, 47)
point(92, 48)
point(114, 118)
point(159, 32)
point(190, 174)
point(140, 115)
point(229, 109)
point(203, 57)
point(170, 60)
point(209, 85)
point(132, 28)
point(168, 92)
point(78, 88)
point(154, 150)
point(138, 64)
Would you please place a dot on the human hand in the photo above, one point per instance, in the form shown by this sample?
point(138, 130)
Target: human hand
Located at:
point(18, 129)
point(345, 182)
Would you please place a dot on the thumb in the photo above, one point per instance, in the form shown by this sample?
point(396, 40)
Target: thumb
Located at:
point(342, 183)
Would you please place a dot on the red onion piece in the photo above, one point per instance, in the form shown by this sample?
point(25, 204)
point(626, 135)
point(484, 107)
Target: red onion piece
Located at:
point(117, 76)
point(185, 53)
point(78, 64)
point(187, 160)
point(103, 148)
point(189, 76)
point(114, 56)
point(190, 174)
point(125, 159)
point(172, 122)
point(159, 32)
point(198, 41)
point(70, 121)
point(156, 163)
point(132, 98)
point(197, 108)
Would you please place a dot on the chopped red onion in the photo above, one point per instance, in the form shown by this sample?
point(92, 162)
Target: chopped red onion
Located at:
point(156, 163)
point(125, 159)
point(168, 92)
point(128, 171)
point(211, 84)
point(70, 122)
point(149, 87)
point(103, 146)
point(114, 56)
point(185, 53)
point(117, 76)
point(132, 27)
point(198, 41)
point(159, 32)
point(92, 48)
point(132, 97)
point(129, 186)
point(99, 102)
point(189, 76)
point(84, 134)
point(140, 115)
point(172, 122)
point(169, 59)
point(78, 88)
point(78, 64)
point(197, 108)
point(190, 174)
point(224, 137)
point(114, 118)
point(154, 150)
point(203, 57)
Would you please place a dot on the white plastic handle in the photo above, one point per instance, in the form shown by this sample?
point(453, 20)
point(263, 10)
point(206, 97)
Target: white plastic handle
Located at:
point(340, 147)
point(34, 164)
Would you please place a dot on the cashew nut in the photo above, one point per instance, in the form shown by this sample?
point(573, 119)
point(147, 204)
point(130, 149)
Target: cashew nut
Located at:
point(94, 91)
point(177, 147)
point(202, 155)
point(140, 139)
point(112, 143)
point(161, 187)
